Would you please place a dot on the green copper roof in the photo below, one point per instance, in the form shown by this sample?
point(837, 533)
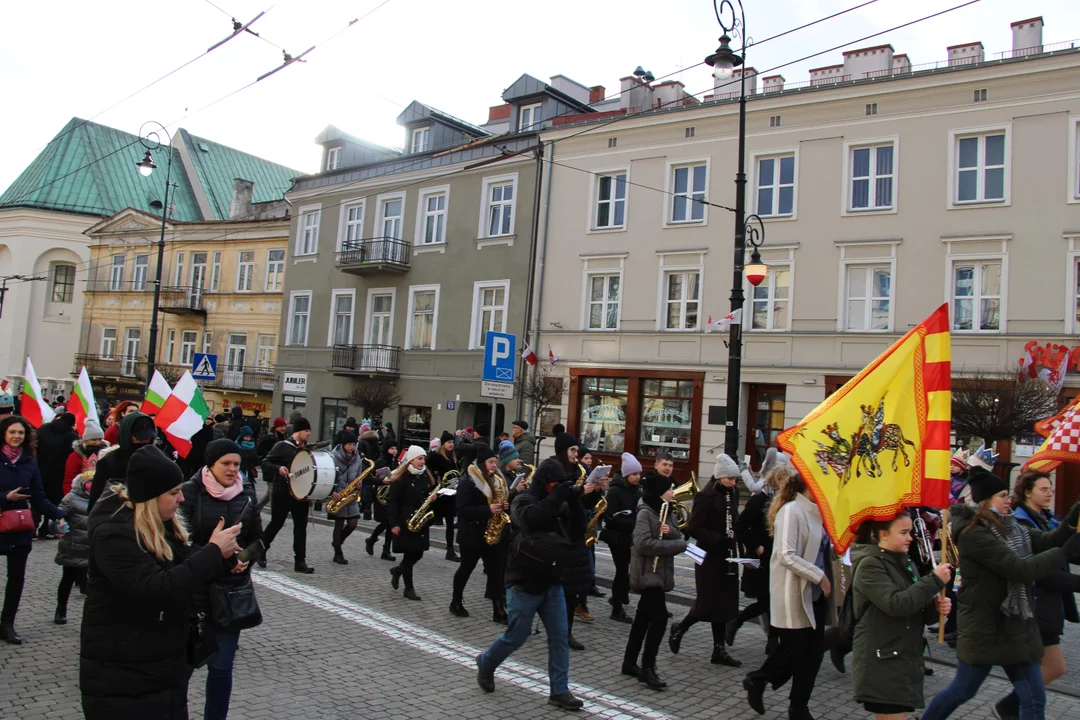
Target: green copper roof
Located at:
point(218, 165)
point(90, 169)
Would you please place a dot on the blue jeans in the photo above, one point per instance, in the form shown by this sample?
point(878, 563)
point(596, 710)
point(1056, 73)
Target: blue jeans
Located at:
point(219, 676)
point(522, 608)
point(1026, 680)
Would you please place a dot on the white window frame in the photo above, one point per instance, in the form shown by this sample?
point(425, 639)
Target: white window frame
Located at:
point(423, 134)
point(262, 347)
point(748, 313)
point(343, 221)
point(954, 166)
point(301, 230)
point(370, 307)
point(207, 342)
point(533, 123)
point(955, 255)
point(683, 301)
point(334, 295)
point(669, 205)
point(187, 358)
point(475, 330)
point(485, 209)
point(179, 269)
point(422, 215)
point(292, 304)
point(380, 216)
point(870, 266)
point(116, 284)
point(333, 158)
point(777, 154)
point(587, 302)
point(101, 347)
point(275, 269)
point(139, 283)
point(413, 290)
point(675, 261)
point(1072, 195)
point(849, 181)
point(594, 193)
point(1072, 276)
point(170, 346)
point(240, 265)
point(215, 272)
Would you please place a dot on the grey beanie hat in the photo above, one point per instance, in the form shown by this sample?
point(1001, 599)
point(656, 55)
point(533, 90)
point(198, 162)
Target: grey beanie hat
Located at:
point(725, 467)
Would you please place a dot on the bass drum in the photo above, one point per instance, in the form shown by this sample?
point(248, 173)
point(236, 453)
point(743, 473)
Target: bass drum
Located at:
point(311, 475)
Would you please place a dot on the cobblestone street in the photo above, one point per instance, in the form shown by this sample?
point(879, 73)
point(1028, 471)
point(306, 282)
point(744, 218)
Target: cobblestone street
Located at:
point(342, 644)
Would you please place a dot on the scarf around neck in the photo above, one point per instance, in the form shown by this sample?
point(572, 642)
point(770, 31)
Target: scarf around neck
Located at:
point(12, 454)
point(1017, 602)
point(217, 490)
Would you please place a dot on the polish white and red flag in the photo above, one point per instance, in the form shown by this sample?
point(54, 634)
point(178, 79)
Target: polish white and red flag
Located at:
point(724, 324)
point(1027, 367)
point(552, 357)
point(529, 356)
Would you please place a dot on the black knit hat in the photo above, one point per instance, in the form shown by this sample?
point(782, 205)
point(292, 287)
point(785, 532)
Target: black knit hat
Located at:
point(483, 452)
point(151, 473)
point(563, 442)
point(218, 449)
point(348, 437)
point(984, 484)
point(301, 424)
point(655, 484)
point(521, 424)
point(446, 437)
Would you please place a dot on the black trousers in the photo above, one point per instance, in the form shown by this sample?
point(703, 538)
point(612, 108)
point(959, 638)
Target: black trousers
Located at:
point(755, 609)
point(650, 621)
point(572, 601)
point(797, 657)
point(383, 527)
point(69, 577)
point(16, 577)
point(493, 557)
point(343, 528)
point(450, 534)
point(408, 560)
point(620, 586)
point(282, 505)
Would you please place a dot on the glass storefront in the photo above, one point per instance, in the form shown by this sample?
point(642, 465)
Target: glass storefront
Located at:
point(603, 413)
point(414, 426)
point(334, 413)
point(666, 418)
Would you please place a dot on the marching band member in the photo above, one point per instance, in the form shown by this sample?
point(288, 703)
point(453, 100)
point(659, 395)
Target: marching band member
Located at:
point(712, 524)
point(348, 466)
point(481, 495)
point(275, 467)
point(410, 486)
point(622, 503)
point(442, 460)
point(384, 466)
point(587, 495)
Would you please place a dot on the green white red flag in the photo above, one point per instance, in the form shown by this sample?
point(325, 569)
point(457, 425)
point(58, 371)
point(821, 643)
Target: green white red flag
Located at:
point(156, 395)
point(183, 414)
point(34, 408)
point(82, 403)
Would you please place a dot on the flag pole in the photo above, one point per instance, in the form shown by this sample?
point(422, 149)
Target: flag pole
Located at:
point(948, 552)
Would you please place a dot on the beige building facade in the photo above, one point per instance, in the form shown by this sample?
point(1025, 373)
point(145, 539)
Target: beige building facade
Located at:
point(885, 190)
point(221, 293)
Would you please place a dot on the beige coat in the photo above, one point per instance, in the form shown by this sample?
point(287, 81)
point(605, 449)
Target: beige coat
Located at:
point(797, 537)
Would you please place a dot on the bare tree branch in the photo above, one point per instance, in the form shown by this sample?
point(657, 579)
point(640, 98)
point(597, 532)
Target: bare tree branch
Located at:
point(543, 389)
point(375, 396)
point(999, 405)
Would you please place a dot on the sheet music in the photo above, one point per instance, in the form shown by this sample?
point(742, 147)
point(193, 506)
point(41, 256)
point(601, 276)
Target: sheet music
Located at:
point(447, 492)
point(598, 474)
point(749, 562)
point(695, 553)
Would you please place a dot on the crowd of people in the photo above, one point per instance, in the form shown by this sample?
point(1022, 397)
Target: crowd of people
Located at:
point(163, 550)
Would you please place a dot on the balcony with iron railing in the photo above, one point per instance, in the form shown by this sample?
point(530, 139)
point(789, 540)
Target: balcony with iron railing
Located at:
point(243, 377)
point(374, 255)
point(116, 366)
point(182, 299)
point(366, 359)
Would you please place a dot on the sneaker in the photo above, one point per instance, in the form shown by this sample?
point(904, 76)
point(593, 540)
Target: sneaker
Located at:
point(566, 701)
point(583, 614)
point(1004, 710)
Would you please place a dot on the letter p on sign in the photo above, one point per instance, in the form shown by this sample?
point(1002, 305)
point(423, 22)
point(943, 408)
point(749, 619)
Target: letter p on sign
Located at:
point(501, 351)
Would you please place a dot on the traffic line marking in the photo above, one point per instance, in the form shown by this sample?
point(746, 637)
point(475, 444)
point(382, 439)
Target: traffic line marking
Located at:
point(524, 676)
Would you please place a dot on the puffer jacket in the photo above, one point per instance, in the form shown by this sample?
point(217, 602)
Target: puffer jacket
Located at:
point(619, 518)
point(648, 545)
point(347, 468)
point(113, 467)
point(1054, 599)
point(985, 636)
point(891, 609)
point(74, 547)
point(79, 461)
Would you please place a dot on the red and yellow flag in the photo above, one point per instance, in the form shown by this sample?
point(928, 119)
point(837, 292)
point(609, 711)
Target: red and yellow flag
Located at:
point(881, 442)
point(1062, 433)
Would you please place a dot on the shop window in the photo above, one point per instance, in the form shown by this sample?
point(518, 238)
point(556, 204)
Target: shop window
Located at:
point(291, 404)
point(603, 413)
point(334, 413)
point(666, 420)
point(414, 426)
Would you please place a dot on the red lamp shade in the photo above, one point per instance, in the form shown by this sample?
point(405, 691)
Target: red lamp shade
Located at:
point(756, 272)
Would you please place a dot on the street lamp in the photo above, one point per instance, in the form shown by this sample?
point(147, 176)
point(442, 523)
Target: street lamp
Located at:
point(151, 140)
point(723, 62)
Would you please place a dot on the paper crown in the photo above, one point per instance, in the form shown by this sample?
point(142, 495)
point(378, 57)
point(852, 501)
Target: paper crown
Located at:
point(984, 458)
point(959, 460)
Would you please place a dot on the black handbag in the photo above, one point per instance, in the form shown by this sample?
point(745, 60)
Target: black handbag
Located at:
point(201, 641)
point(542, 555)
point(234, 608)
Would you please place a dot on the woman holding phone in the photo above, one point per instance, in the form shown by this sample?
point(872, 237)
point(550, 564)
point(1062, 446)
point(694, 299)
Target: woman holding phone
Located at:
point(218, 491)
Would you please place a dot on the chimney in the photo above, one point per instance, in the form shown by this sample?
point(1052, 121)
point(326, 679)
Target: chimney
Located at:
point(1027, 36)
point(773, 83)
point(597, 93)
point(240, 205)
point(499, 112)
point(751, 80)
point(867, 63)
point(966, 54)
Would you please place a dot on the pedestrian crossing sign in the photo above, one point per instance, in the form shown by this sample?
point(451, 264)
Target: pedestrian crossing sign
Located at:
point(204, 366)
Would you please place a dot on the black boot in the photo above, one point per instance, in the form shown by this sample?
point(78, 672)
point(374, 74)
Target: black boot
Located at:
point(7, 633)
point(369, 545)
point(631, 669)
point(618, 614)
point(303, 568)
point(574, 644)
point(395, 577)
point(485, 680)
point(730, 629)
point(451, 555)
point(837, 657)
point(755, 694)
point(720, 657)
point(498, 612)
point(566, 701)
point(675, 638)
point(650, 678)
point(457, 609)
point(799, 714)
point(410, 594)
point(60, 618)
point(262, 559)
point(386, 554)
point(339, 557)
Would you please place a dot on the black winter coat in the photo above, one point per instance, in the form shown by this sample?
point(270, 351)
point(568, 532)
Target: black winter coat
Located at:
point(136, 621)
point(369, 445)
point(752, 530)
point(113, 467)
point(54, 441)
point(281, 456)
point(712, 524)
point(444, 507)
point(23, 474)
point(407, 493)
point(619, 519)
point(73, 550)
point(473, 509)
point(374, 482)
point(194, 460)
point(1054, 599)
point(266, 443)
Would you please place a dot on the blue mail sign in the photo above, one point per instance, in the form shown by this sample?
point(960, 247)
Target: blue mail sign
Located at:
point(500, 357)
point(204, 367)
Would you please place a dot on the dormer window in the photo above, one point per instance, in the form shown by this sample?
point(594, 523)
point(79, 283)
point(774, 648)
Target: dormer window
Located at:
point(420, 139)
point(333, 158)
point(530, 117)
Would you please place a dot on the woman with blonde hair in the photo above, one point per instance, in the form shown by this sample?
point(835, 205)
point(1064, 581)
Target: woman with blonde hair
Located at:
point(410, 485)
point(136, 655)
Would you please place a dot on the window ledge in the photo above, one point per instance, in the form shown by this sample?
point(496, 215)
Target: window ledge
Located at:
point(62, 319)
point(684, 223)
point(779, 218)
point(305, 258)
point(606, 230)
point(854, 212)
point(484, 242)
point(429, 248)
point(962, 204)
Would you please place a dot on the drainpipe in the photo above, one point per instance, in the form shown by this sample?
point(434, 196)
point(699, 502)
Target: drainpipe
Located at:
point(541, 262)
point(532, 275)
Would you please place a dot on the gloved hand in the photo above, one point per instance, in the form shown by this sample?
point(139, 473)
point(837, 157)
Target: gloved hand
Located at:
point(1072, 548)
point(564, 491)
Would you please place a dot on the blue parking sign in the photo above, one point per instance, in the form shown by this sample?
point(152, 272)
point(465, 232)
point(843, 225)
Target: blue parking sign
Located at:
point(500, 357)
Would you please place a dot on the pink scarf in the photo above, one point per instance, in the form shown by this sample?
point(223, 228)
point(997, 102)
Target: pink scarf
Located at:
point(12, 455)
point(217, 490)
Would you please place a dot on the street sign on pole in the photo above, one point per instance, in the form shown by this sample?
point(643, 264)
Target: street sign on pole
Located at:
point(500, 357)
point(204, 366)
point(498, 390)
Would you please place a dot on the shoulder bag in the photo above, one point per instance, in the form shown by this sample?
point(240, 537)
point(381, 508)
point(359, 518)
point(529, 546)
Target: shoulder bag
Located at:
point(16, 521)
point(232, 607)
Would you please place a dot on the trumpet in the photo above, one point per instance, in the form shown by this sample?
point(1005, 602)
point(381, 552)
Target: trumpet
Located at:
point(351, 492)
point(687, 491)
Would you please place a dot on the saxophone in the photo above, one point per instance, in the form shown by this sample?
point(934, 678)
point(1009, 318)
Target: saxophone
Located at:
point(498, 522)
point(423, 514)
point(351, 493)
point(591, 535)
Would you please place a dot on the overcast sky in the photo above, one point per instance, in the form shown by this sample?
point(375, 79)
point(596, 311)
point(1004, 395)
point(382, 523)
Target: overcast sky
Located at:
point(79, 58)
